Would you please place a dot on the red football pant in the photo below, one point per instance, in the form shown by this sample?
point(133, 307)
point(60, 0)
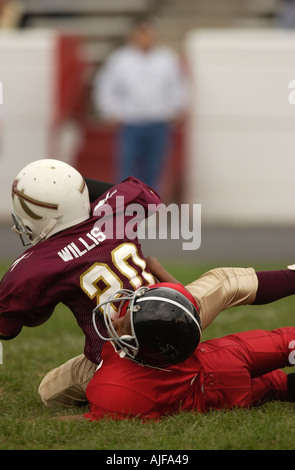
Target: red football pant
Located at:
point(244, 369)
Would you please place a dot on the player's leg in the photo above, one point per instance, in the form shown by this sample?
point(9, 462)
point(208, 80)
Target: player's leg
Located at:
point(156, 151)
point(66, 385)
point(270, 387)
point(267, 353)
point(128, 152)
point(222, 288)
point(241, 369)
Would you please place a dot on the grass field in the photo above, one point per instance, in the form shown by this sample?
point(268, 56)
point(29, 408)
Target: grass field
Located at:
point(27, 425)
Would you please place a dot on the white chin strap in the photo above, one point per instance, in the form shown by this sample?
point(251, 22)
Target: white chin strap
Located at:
point(45, 232)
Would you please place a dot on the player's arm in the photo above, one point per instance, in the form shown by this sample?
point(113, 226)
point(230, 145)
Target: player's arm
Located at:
point(8, 331)
point(25, 298)
point(18, 311)
point(12, 325)
point(96, 188)
point(4, 337)
point(158, 271)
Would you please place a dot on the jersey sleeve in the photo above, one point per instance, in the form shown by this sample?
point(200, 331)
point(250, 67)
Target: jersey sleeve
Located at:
point(120, 212)
point(24, 300)
point(139, 192)
point(130, 192)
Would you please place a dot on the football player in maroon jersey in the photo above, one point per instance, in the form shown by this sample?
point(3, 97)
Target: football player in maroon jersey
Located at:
point(71, 259)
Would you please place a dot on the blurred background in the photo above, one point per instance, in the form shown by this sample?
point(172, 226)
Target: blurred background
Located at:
point(232, 150)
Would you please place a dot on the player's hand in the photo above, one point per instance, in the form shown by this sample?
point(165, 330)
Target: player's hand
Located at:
point(159, 271)
point(153, 264)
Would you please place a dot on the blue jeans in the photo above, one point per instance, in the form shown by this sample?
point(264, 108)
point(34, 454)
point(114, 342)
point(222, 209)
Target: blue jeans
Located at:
point(141, 152)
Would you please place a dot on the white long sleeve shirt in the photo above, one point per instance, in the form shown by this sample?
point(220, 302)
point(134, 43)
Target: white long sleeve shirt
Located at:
point(138, 87)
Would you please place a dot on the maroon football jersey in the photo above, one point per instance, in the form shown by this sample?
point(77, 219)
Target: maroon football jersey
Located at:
point(81, 266)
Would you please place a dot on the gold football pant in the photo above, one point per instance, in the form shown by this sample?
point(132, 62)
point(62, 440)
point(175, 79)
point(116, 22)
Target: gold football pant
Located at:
point(66, 385)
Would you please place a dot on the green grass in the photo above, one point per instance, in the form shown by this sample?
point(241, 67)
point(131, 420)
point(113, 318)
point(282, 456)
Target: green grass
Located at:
point(27, 425)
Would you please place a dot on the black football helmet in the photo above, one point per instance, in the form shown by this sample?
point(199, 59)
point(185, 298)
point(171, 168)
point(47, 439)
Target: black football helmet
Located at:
point(165, 326)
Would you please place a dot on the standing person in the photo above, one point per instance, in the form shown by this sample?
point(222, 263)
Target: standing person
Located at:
point(142, 90)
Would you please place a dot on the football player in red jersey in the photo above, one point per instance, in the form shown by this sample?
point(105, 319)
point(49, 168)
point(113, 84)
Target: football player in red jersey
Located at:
point(238, 370)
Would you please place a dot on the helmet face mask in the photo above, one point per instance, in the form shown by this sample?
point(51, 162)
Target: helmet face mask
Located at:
point(24, 232)
point(165, 326)
point(27, 236)
point(48, 196)
point(126, 345)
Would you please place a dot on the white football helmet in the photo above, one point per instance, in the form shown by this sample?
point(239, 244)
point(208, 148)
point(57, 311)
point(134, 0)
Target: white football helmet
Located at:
point(48, 196)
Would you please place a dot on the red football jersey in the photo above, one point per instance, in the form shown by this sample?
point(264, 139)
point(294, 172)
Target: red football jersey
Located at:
point(81, 266)
point(121, 388)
